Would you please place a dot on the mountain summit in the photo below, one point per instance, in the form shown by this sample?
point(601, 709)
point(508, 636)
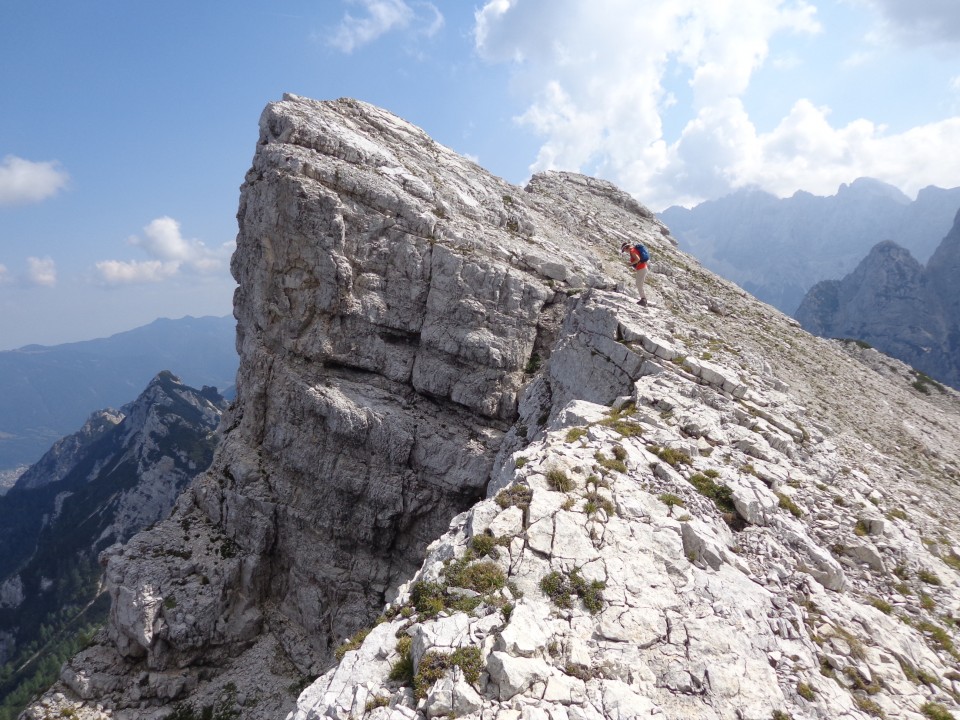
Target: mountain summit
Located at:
point(466, 474)
point(892, 302)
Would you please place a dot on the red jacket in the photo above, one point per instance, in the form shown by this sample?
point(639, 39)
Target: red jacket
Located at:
point(635, 260)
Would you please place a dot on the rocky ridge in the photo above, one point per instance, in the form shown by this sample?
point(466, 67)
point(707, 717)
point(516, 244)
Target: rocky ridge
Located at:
point(693, 509)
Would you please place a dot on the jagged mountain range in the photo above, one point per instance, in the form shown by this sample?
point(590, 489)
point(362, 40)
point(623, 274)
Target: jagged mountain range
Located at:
point(466, 474)
point(778, 249)
point(897, 305)
point(121, 472)
point(47, 392)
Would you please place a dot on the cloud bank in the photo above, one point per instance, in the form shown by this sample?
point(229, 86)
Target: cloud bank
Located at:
point(23, 181)
point(170, 254)
point(603, 76)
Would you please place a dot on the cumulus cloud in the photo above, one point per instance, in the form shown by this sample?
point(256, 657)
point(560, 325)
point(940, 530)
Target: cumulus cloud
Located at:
point(23, 181)
point(41, 271)
point(170, 254)
point(381, 17)
point(603, 76)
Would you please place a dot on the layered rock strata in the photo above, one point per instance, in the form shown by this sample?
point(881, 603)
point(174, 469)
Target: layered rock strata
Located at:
point(693, 509)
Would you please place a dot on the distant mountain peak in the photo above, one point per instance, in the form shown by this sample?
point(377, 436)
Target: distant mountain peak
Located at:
point(865, 186)
point(897, 305)
point(778, 249)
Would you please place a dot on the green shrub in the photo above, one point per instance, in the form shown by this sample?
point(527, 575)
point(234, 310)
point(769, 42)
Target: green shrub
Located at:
point(626, 428)
point(560, 589)
point(596, 501)
point(671, 456)
point(520, 462)
point(929, 577)
point(487, 544)
point(555, 586)
point(377, 701)
point(805, 691)
point(936, 711)
point(515, 496)
point(427, 597)
point(670, 500)
point(559, 481)
point(787, 503)
point(610, 463)
point(721, 495)
point(868, 706)
point(882, 605)
point(433, 666)
point(575, 433)
point(352, 644)
point(482, 577)
point(940, 636)
point(402, 670)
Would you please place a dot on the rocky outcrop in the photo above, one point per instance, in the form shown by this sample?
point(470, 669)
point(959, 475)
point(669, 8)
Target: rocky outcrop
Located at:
point(892, 302)
point(452, 412)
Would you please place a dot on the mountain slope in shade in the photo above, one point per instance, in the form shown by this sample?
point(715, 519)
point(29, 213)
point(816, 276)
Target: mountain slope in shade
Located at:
point(47, 392)
point(121, 472)
point(777, 249)
point(902, 308)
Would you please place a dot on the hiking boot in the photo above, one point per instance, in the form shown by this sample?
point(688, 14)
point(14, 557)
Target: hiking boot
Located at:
point(642, 301)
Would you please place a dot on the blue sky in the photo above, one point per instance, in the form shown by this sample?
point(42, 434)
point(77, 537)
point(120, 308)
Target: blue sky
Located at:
point(127, 127)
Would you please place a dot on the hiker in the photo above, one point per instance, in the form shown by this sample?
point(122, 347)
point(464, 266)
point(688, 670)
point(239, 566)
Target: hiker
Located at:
point(639, 256)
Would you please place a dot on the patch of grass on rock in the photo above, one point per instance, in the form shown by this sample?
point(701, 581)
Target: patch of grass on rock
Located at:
point(559, 480)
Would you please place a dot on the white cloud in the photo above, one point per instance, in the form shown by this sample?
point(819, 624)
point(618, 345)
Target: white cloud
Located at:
point(121, 272)
point(4, 274)
point(602, 77)
point(170, 255)
point(24, 181)
point(41, 271)
point(383, 16)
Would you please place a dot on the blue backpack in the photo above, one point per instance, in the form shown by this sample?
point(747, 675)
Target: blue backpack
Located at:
point(642, 250)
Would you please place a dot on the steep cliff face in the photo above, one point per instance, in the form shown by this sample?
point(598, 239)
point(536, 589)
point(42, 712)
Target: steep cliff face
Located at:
point(892, 302)
point(675, 509)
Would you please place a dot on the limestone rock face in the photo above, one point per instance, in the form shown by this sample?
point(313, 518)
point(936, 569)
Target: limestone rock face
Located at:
point(452, 413)
point(893, 303)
